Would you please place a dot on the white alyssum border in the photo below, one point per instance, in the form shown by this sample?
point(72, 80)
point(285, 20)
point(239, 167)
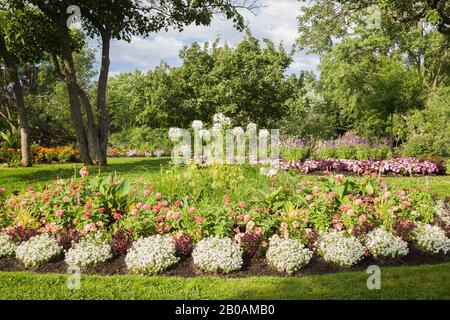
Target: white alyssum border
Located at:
point(90, 251)
point(382, 243)
point(38, 250)
point(338, 248)
point(151, 255)
point(216, 254)
point(287, 255)
point(7, 246)
point(431, 239)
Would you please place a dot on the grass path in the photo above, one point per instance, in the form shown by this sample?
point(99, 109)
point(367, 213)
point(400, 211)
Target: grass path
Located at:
point(418, 282)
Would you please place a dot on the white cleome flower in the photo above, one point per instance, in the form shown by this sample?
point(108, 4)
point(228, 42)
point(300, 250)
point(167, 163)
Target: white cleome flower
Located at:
point(91, 251)
point(7, 246)
point(205, 134)
point(38, 250)
point(264, 133)
point(221, 119)
point(216, 254)
point(185, 150)
point(288, 255)
point(251, 126)
point(337, 248)
point(217, 126)
point(197, 125)
point(238, 131)
point(174, 134)
point(382, 243)
point(432, 239)
point(151, 255)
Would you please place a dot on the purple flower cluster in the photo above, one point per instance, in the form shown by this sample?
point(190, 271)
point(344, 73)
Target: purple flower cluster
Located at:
point(404, 166)
point(294, 143)
point(345, 140)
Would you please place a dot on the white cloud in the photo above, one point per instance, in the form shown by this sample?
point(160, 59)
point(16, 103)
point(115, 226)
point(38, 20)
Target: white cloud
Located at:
point(277, 20)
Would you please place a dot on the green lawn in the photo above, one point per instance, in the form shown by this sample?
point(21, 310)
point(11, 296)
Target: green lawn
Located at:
point(16, 179)
point(419, 282)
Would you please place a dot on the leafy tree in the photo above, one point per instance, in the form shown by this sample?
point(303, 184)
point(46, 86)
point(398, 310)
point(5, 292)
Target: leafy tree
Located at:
point(120, 20)
point(24, 37)
point(326, 23)
point(368, 87)
point(246, 82)
point(309, 115)
point(430, 128)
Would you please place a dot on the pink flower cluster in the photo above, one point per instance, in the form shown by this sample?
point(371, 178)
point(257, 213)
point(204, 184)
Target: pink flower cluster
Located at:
point(404, 166)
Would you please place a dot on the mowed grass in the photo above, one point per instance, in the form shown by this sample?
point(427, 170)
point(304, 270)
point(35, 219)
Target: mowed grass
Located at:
point(418, 282)
point(17, 179)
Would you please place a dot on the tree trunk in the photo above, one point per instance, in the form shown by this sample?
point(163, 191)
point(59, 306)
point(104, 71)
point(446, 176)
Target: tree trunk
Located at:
point(92, 130)
point(25, 139)
point(72, 89)
point(103, 119)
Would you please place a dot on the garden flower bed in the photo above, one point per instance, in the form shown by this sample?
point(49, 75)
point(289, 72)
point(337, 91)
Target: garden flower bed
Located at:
point(112, 226)
point(396, 166)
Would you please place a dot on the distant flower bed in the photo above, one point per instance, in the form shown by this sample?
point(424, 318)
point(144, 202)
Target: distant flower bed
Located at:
point(124, 153)
point(402, 166)
point(42, 155)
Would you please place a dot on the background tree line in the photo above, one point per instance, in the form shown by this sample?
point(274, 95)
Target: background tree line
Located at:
point(386, 81)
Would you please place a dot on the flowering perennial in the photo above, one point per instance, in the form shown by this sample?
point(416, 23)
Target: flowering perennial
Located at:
point(151, 255)
point(288, 255)
point(337, 248)
point(404, 166)
point(38, 250)
point(91, 251)
point(382, 243)
point(215, 254)
point(7, 247)
point(432, 239)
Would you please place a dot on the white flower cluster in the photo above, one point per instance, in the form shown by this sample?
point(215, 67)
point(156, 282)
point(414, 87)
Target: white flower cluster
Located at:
point(151, 255)
point(197, 125)
point(185, 150)
point(90, 251)
point(238, 131)
point(288, 255)
point(175, 134)
point(337, 248)
point(220, 120)
point(443, 212)
point(264, 133)
point(216, 254)
point(7, 247)
point(38, 250)
point(432, 239)
point(382, 243)
point(251, 126)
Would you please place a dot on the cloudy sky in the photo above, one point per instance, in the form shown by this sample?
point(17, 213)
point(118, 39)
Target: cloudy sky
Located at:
point(276, 20)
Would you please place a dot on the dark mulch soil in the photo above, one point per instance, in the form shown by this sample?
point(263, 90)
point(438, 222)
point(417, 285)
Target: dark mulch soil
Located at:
point(252, 267)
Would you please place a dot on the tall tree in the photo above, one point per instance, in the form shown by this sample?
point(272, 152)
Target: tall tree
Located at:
point(24, 37)
point(119, 19)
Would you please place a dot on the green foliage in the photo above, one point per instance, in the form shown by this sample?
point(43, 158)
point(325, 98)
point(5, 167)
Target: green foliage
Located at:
point(295, 153)
point(410, 282)
point(113, 194)
point(430, 128)
point(246, 83)
point(142, 140)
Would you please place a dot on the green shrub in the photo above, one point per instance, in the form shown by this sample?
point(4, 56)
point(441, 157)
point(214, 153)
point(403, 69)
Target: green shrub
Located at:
point(142, 140)
point(295, 153)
